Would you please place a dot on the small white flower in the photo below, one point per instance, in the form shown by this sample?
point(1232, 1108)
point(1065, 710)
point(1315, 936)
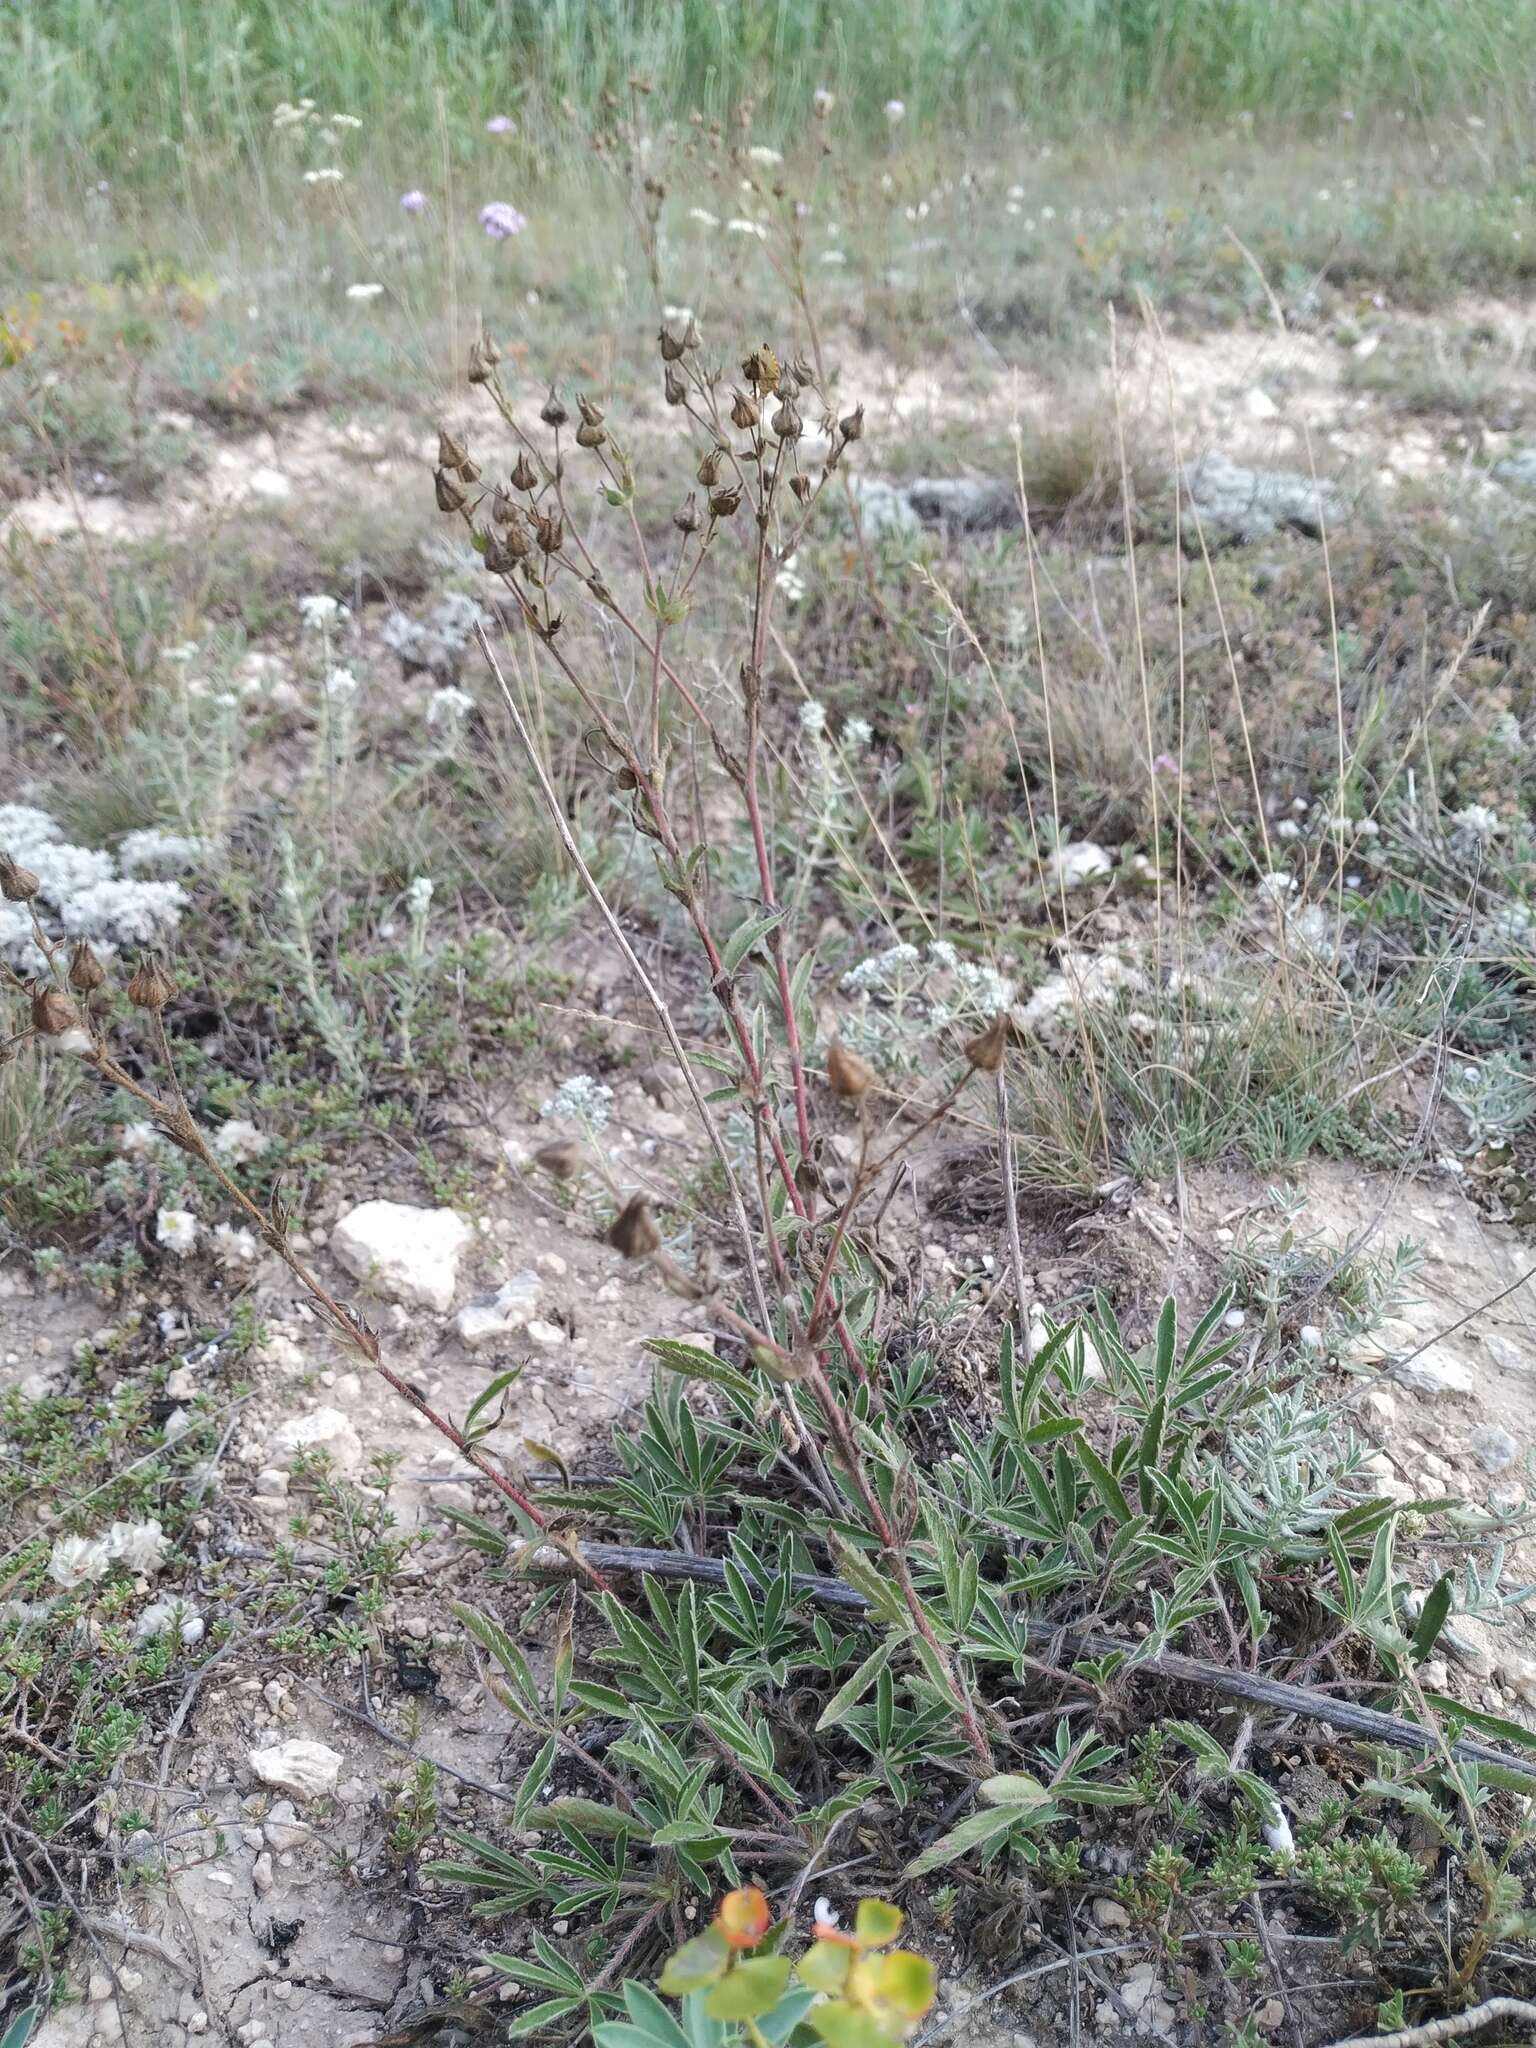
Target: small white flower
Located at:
point(895, 110)
point(141, 1546)
point(833, 256)
point(339, 685)
point(792, 585)
point(858, 734)
point(320, 610)
point(449, 707)
point(177, 1230)
point(1276, 885)
point(813, 719)
point(681, 315)
point(364, 291)
point(582, 1097)
point(1277, 1835)
point(187, 651)
point(747, 227)
point(234, 1247)
point(703, 217)
point(418, 897)
point(77, 1561)
point(138, 1141)
point(824, 1916)
point(1310, 1337)
point(329, 176)
point(238, 1140)
point(123, 913)
point(822, 100)
point(162, 1617)
point(760, 153)
point(1287, 829)
point(152, 849)
point(345, 121)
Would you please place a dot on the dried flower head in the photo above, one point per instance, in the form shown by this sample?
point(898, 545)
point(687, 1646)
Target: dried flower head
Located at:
point(686, 517)
point(53, 1013)
point(451, 496)
point(724, 502)
point(451, 451)
point(673, 386)
point(744, 413)
point(633, 1231)
point(150, 987)
point(484, 355)
point(848, 1076)
point(524, 476)
point(985, 1050)
point(501, 221)
point(553, 411)
point(86, 973)
point(761, 370)
point(672, 346)
point(564, 1159)
point(17, 884)
point(851, 425)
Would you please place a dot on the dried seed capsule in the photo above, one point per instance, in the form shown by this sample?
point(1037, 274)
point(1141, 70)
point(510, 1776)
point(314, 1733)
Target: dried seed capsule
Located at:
point(851, 425)
point(550, 528)
point(503, 511)
point(724, 501)
point(673, 385)
point(787, 423)
point(17, 884)
point(86, 973)
point(848, 1076)
point(151, 988)
point(553, 412)
point(671, 345)
point(761, 370)
point(590, 436)
point(451, 497)
point(634, 1231)
point(484, 355)
point(564, 1159)
point(686, 517)
point(52, 1012)
point(801, 486)
point(803, 372)
point(708, 471)
point(470, 472)
point(985, 1050)
point(691, 336)
point(524, 475)
point(451, 451)
point(591, 413)
point(744, 413)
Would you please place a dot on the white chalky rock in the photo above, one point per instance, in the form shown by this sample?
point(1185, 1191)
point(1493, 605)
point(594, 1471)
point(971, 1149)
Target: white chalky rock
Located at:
point(323, 1429)
point(1433, 1372)
point(410, 1254)
point(306, 1769)
point(485, 1323)
point(283, 1829)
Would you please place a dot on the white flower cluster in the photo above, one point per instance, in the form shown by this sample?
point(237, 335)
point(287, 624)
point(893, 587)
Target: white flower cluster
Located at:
point(152, 851)
point(82, 1560)
point(418, 897)
point(81, 891)
point(908, 994)
point(582, 1097)
point(238, 1140)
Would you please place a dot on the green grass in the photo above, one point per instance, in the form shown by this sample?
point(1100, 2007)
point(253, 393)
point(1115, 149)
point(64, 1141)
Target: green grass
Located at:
point(138, 89)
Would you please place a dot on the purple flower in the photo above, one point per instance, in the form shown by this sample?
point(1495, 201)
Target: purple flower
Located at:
point(501, 220)
point(413, 202)
point(1165, 764)
point(500, 124)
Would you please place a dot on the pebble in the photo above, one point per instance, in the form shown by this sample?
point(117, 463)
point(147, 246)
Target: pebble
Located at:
point(548, 1336)
point(261, 1873)
point(1109, 1915)
point(307, 1769)
point(1494, 1448)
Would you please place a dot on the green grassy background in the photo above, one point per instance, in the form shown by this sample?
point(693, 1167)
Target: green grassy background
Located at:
point(130, 88)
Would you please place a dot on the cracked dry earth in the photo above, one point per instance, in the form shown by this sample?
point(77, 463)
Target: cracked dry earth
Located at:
point(258, 1932)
